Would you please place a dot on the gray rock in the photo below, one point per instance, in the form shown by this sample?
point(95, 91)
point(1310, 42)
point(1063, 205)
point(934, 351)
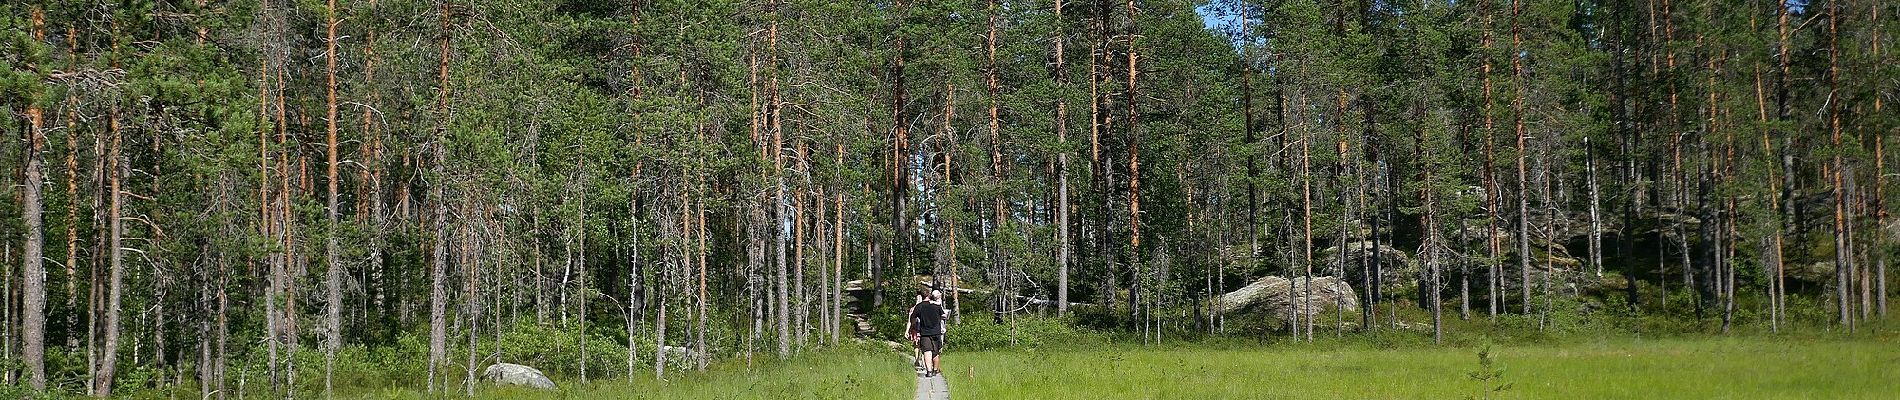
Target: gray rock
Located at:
point(678, 352)
point(1396, 267)
point(1277, 297)
point(517, 375)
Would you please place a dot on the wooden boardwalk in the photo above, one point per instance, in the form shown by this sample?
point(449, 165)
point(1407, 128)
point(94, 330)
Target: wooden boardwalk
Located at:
point(932, 388)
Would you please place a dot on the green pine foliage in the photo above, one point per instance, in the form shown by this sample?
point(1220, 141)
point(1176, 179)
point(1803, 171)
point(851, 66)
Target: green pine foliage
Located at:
point(595, 152)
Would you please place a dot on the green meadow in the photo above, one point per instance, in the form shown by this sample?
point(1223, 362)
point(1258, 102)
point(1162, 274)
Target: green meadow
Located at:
point(1708, 368)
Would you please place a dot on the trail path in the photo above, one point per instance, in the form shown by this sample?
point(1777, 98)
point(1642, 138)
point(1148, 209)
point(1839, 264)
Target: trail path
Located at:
point(932, 388)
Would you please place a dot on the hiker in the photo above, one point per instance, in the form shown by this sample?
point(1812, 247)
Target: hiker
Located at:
point(910, 333)
point(926, 320)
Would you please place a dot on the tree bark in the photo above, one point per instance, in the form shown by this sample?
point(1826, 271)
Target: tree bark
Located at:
point(1880, 181)
point(33, 318)
point(72, 195)
point(438, 335)
point(1489, 172)
point(1523, 188)
point(1063, 241)
point(109, 354)
point(700, 350)
point(837, 254)
point(333, 278)
point(801, 323)
point(900, 159)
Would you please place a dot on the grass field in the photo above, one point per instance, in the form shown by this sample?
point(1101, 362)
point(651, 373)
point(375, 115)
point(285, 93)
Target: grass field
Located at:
point(1709, 368)
point(853, 373)
point(1684, 368)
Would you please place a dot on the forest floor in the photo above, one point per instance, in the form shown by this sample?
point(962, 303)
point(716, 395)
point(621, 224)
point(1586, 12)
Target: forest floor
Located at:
point(1698, 368)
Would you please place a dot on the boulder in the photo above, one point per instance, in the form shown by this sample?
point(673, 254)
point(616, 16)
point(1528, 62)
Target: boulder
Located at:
point(677, 352)
point(1276, 297)
point(517, 375)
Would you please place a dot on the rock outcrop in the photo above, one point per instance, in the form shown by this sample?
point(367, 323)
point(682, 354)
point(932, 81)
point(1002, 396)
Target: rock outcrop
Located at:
point(517, 375)
point(1280, 298)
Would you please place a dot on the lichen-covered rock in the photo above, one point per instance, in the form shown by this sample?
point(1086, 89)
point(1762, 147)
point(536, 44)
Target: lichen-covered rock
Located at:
point(1281, 298)
point(517, 375)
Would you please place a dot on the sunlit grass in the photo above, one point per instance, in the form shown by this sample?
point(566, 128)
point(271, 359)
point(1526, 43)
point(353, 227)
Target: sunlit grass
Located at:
point(858, 372)
point(1744, 368)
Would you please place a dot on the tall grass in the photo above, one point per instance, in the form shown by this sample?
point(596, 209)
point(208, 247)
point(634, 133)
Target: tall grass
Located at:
point(1748, 368)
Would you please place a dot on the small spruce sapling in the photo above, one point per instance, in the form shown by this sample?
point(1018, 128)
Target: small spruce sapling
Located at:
point(1489, 376)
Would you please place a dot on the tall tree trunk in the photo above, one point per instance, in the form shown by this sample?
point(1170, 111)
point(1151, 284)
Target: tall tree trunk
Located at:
point(1429, 251)
point(1304, 315)
point(774, 108)
point(700, 350)
point(438, 335)
point(1134, 159)
point(1063, 242)
point(837, 254)
point(580, 265)
point(1253, 171)
point(1838, 169)
point(633, 207)
point(1596, 217)
point(1880, 181)
point(72, 194)
point(900, 160)
point(33, 320)
point(800, 323)
point(333, 278)
point(1489, 173)
point(109, 354)
point(265, 216)
point(1523, 188)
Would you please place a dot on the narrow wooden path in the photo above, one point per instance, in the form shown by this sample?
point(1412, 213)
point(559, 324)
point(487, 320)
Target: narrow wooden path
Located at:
point(932, 388)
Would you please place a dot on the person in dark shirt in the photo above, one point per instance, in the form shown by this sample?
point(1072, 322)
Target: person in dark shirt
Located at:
point(926, 319)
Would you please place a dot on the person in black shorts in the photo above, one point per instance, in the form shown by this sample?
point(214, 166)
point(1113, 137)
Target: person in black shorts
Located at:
point(926, 319)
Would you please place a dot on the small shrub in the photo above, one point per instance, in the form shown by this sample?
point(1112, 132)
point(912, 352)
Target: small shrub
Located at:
point(1488, 375)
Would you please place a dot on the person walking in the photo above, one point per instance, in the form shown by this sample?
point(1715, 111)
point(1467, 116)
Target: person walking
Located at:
point(926, 320)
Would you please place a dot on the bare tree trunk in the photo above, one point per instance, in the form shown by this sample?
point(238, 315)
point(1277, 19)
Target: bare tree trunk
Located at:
point(900, 177)
point(801, 323)
point(1489, 173)
point(1838, 169)
point(837, 254)
point(1429, 251)
point(33, 320)
point(782, 301)
point(822, 243)
point(109, 357)
point(265, 218)
point(1596, 217)
point(700, 350)
point(667, 285)
point(1880, 182)
point(1306, 211)
point(1784, 74)
point(438, 335)
point(633, 212)
point(580, 265)
point(333, 278)
point(1523, 197)
point(72, 194)
point(1134, 158)
point(469, 259)
point(1063, 242)
point(633, 284)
